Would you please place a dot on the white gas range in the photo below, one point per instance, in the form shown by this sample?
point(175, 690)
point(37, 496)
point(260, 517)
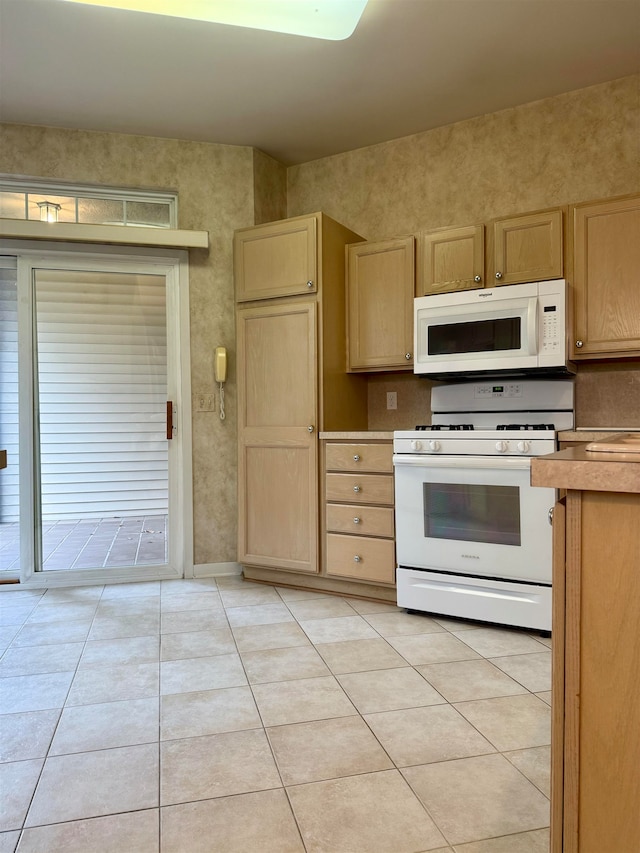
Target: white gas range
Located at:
point(473, 537)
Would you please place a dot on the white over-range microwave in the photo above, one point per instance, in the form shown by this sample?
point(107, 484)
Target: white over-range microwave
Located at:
point(515, 330)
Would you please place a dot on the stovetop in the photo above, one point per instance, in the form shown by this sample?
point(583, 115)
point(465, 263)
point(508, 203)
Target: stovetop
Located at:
point(471, 427)
point(484, 418)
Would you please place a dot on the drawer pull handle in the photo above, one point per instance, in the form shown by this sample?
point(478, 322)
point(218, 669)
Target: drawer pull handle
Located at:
point(356, 489)
point(357, 559)
point(356, 458)
point(356, 520)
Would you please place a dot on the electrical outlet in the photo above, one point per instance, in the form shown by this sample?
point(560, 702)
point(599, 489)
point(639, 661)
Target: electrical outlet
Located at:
point(392, 399)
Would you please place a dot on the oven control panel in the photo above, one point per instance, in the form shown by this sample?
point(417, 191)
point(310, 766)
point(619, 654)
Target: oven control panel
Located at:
point(496, 390)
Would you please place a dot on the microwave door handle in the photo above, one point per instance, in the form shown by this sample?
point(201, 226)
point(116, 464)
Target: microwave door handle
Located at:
point(532, 325)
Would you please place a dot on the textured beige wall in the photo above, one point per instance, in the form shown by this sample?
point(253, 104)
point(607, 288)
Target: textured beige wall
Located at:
point(574, 147)
point(269, 188)
point(216, 194)
point(570, 148)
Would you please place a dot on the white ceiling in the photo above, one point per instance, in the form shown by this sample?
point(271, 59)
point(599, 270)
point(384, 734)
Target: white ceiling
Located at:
point(410, 66)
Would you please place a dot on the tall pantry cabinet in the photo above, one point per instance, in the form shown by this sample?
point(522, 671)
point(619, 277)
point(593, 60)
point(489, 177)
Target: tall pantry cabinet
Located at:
point(292, 384)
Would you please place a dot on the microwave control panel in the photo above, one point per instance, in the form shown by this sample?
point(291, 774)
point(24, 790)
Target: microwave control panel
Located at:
point(551, 314)
point(552, 333)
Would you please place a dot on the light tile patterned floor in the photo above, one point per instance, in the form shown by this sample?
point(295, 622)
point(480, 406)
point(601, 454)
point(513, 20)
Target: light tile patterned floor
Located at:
point(201, 716)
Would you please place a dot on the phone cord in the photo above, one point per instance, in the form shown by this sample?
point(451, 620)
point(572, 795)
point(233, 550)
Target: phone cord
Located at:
point(222, 414)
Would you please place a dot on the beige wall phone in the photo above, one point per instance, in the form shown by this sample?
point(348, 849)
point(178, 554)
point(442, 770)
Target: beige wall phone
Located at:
point(220, 374)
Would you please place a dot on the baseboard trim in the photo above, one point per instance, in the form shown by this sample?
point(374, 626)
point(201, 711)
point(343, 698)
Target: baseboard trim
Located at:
point(216, 570)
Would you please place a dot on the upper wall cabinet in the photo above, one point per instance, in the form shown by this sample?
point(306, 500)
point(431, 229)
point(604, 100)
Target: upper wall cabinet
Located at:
point(277, 259)
point(606, 285)
point(380, 290)
point(450, 259)
point(526, 248)
point(520, 248)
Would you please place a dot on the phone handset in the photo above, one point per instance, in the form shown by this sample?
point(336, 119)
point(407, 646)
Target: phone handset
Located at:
point(220, 374)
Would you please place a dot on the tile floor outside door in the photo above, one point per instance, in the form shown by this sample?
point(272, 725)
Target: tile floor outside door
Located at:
point(200, 716)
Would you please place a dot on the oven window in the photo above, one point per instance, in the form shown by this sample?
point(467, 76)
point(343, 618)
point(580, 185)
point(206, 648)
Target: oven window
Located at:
point(477, 336)
point(472, 513)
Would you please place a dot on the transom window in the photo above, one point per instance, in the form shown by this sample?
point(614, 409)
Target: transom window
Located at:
point(25, 198)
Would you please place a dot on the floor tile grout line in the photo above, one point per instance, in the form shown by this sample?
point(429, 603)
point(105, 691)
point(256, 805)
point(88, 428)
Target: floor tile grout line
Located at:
point(55, 728)
point(357, 712)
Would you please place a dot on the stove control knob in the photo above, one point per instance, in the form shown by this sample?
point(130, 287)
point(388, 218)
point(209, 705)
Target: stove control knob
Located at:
point(434, 445)
point(416, 445)
point(523, 446)
point(501, 446)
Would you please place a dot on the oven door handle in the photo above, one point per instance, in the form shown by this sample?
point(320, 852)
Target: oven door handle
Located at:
point(504, 463)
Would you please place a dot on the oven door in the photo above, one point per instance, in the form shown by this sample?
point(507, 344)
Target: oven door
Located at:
point(472, 515)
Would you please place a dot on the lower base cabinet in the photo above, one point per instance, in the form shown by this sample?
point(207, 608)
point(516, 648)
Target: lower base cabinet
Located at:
point(355, 524)
point(359, 515)
point(595, 784)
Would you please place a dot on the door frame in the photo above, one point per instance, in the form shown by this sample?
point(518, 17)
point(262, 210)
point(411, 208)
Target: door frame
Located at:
point(174, 265)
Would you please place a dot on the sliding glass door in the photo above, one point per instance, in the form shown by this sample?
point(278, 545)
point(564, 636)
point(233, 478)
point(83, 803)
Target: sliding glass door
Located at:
point(104, 476)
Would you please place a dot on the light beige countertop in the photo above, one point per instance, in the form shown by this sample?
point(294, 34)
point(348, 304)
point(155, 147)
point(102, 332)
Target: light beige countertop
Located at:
point(358, 435)
point(587, 470)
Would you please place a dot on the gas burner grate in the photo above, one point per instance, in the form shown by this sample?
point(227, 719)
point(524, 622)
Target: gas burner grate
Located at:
point(441, 427)
point(526, 427)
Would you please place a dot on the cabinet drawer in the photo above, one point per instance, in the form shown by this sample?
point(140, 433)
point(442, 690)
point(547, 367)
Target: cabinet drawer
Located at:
point(360, 488)
point(360, 457)
point(361, 520)
point(361, 557)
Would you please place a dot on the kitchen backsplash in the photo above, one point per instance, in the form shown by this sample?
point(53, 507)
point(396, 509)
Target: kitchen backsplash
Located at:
point(605, 396)
point(608, 395)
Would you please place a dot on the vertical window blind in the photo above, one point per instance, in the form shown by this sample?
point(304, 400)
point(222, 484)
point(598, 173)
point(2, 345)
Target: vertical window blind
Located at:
point(102, 391)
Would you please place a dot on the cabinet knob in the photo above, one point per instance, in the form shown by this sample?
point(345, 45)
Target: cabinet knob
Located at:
point(356, 520)
point(477, 278)
point(309, 284)
point(356, 458)
point(407, 355)
point(356, 488)
point(357, 558)
point(550, 516)
point(579, 344)
point(498, 275)
point(310, 428)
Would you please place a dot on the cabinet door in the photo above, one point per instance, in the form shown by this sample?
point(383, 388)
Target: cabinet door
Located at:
point(380, 289)
point(451, 259)
point(277, 259)
point(278, 457)
point(606, 238)
point(526, 248)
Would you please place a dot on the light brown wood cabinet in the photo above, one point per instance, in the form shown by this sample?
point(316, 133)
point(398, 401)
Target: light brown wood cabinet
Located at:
point(596, 714)
point(606, 287)
point(276, 259)
point(450, 259)
point(278, 407)
point(292, 383)
point(595, 783)
point(527, 247)
point(380, 291)
point(359, 512)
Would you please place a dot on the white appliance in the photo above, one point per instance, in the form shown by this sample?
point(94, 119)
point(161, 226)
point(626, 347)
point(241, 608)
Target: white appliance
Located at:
point(473, 537)
point(510, 331)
